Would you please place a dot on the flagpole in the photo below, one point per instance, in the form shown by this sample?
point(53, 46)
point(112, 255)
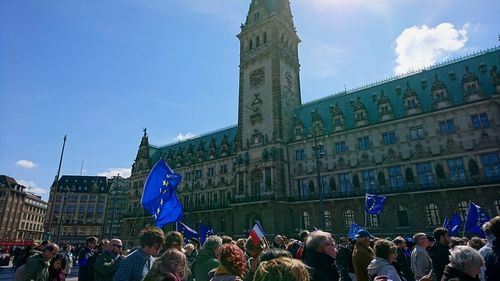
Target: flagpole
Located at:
point(466, 219)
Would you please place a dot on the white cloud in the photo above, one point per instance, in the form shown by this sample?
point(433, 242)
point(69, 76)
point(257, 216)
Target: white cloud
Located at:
point(182, 137)
point(32, 187)
point(26, 164)
point(418, 47)
point(320, 59)
point(112, 172)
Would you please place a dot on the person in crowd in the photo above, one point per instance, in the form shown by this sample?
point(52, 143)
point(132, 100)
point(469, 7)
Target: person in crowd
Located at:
point(207, 258)
point(171, 266)
point(381, 265)
point(226, 239)
point(403, 260)
point(68, 256)
point(190, 253)
point(421, 263)
point(486, 249)
point(107, 262)
point(274, 253)
point(37, 266)
point(56, 268)
point(279, 242)
point(476, 243)
point(362, 255)
point(138, 263)
point(440, 251)
point(344, 260)
point(492, 259)
point(174, 240)
point(319, 255)
point(252, 254)
point(232, 264)
point(282, 269)
point(86, 269)
point(456, 241)
point(241, 243)
point(465, 264)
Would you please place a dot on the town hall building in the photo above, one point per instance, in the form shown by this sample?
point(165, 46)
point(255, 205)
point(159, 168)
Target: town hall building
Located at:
point(428, 140)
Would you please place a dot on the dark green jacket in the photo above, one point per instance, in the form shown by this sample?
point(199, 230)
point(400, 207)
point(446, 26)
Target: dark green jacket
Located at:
point(203, 263)
point(36, 269)
point(106, 265)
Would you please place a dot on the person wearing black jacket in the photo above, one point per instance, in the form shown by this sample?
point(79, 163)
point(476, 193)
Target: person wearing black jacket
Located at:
point(440, 252)
point(344, 260)
point(403, 261)
point(86, 270)
point(492, 260)
point(319, 255)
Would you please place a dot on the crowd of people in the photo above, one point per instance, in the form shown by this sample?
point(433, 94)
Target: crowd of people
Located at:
point(313, 256)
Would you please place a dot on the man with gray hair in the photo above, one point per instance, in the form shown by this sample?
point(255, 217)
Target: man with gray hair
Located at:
point(421, 263)
point(465, 264)
point(319, 255)
point(207, 258)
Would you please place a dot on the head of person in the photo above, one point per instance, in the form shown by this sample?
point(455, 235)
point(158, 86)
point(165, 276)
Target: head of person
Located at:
point(279, 240)
point(456, 241)
point(50, 251)
point(188, 249)
point(495, 227)
point(344, 242)
point(321, 242)
point(68, 248)
point(151, 238)
point(476, 243)
point(421, 240)
point(400, 242)
point(441, 235)
point(212, 245)
point(487, 232)
point(233, 259)
point(385, 249)
point(91, 242)
point(42, 245)
point(58, 263)
point(274, 253)
point(364, 237)
point(174, 239)
point(241, 243)
point(172, 262)
point(303, 235)
point(226, 239)
point(116, 246)
point(103, 245)
point(251, 249)
point(467, 260)
point(282, 269)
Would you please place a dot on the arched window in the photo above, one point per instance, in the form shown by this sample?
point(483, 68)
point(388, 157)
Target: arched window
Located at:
point(462, 209)
point(402, 216)
point(328, 220)
point(373, 221)
point(432, 214)
point(348, 217)
point(306, 223)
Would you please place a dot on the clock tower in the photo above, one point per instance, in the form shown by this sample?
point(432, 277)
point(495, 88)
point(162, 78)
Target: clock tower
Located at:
point(269, 91)
point(269, 87)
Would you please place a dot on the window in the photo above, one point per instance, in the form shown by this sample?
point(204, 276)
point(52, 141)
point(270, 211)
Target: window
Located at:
point(402, 216)
point(299, 154)
point(462, 209)
point(306, 223)
point(373, 220)
point(432, 214)
point(389, 137)
point(447, 127)
point(491, 165)
point(321, 150)
point(324, 184)
point(223, 169)
point(303, 188)
point(369, 181)
point(211, 171)
point(328, 220)
point(265, 37)
point(364, 143)
point(416, 133)
point(480, 120)
point(395, 177)
point(424, 173)
point(340, 147)
point(345, 182)
point(348, 218)
point(456, 170)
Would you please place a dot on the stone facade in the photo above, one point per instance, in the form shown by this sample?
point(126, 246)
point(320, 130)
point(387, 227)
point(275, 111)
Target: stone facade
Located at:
point(428, 140)
point(33, 217)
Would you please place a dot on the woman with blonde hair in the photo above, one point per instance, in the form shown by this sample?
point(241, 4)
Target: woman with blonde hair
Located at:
point(171, 266)
point(282, 269)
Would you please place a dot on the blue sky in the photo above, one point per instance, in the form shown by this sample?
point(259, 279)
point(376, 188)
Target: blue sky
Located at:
point(101, 71)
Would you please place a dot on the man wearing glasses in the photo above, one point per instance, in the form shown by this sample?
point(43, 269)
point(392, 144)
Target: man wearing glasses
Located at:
point(107, 262)
point(421, 263)
point(319, 255)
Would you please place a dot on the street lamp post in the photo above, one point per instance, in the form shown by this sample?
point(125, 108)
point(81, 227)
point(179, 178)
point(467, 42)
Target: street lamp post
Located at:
point(318, 155)
point(66, 190)
point(113, 210)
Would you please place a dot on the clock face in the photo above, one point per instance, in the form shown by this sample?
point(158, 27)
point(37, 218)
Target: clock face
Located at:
point(257, 78)
point(288, 80)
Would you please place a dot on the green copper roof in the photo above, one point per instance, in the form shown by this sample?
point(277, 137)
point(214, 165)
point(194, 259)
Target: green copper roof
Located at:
point(205, 142)
point(450, 74)
point(83, 184)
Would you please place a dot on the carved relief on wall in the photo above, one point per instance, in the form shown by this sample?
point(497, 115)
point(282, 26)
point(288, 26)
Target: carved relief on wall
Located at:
point(440, 96)
point(384, 106)
point(360, 113)
point(256, 107)
point(411, 101)
point(337, 116)
point(470, 85)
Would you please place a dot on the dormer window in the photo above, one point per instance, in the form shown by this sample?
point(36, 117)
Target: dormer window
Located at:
point(257, 42)
point(265, 37)
point(256, 16)
point(250, 45)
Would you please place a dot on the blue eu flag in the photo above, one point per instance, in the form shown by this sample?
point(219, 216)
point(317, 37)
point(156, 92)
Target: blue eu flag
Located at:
point(186, 231)
point(476, 217)
point(354, 230)
point(205, 231)
point(159, 197)
point(374, 204)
